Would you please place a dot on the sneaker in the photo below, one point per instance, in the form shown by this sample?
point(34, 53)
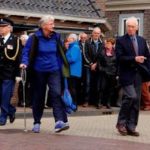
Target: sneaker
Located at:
point(36, 128)
point(60, 126)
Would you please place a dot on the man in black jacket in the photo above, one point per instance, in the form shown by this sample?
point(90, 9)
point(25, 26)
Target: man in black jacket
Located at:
point(9, 69)
point(85, 80)
point(134, 66)
point(92, 49)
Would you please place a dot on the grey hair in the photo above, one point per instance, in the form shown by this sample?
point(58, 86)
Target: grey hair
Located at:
point(74, 36)
point(45, 19)
point(133, 19)
point(82, 33)
point(96, 28)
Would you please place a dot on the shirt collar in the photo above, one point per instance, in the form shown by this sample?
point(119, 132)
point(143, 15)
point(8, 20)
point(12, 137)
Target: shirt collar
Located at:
point(132, 37)
point(6, 37)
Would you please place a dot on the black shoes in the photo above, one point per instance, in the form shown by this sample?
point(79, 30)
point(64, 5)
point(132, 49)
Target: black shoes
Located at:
point(12, 118)
point(99, 106)
point(2, 122)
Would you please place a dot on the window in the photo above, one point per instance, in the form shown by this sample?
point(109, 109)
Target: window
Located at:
point(122, 23)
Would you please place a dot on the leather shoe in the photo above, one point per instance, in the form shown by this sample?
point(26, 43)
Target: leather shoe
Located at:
point(12, 118)
point(108, 106)
point(85, 104)
point(98, 106)
point(133, 133)
point(122, 130)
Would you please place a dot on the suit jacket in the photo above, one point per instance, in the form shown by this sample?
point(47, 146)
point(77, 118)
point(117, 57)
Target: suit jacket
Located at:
point(9, 69)
point(128, 67)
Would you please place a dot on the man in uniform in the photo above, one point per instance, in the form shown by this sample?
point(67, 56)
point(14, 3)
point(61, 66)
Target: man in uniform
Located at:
point(9, 69)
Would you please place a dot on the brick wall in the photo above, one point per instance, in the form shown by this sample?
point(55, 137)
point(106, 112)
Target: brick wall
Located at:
point(113, 19)
point(147, 25)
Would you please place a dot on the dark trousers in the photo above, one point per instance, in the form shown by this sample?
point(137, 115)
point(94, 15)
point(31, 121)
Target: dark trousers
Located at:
point(95, 84)
point(129, 111)
point(73, 87)
point(86, 78)
point(6, 91)
point(107, 88)
point(53, 80)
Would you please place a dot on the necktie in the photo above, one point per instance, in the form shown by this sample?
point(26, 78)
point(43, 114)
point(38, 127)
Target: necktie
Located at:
point(135, 45)
point(2, 41)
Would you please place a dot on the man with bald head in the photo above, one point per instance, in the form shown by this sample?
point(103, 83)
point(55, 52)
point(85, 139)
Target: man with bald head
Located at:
point(134, 68)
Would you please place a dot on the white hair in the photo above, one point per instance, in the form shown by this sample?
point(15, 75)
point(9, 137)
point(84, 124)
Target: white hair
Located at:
point(45, 19)
point(96, 29)
point(132, 19)
point(74, 36)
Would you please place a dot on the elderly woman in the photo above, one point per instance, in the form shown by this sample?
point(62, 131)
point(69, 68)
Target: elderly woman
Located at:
point(74, 58)
point(47, 71)
point(107, 67)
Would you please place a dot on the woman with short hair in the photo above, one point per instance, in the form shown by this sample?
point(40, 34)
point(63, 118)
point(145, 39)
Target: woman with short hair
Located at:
point(47, 71)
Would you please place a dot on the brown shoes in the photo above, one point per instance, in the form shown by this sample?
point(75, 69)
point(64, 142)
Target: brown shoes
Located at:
point(122, 130)
point(133, 133)
point(85, 104)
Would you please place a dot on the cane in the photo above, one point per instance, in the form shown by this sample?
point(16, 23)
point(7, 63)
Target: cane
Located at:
point(23, 76)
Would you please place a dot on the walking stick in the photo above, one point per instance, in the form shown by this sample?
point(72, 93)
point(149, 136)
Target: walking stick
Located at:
point(23, 76)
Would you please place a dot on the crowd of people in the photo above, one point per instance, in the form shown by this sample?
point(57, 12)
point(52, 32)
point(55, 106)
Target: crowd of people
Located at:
point(99, 71)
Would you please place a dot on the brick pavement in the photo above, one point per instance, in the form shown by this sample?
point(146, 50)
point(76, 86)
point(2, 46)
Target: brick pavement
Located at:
point(85, 133)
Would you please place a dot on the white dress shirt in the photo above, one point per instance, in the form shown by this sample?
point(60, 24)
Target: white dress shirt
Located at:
point(6, 38)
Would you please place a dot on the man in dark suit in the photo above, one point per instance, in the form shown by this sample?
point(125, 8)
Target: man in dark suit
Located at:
point(134, 67)
point(9, 69)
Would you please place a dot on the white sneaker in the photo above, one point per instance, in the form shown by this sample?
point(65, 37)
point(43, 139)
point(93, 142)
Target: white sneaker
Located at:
point(36, 128)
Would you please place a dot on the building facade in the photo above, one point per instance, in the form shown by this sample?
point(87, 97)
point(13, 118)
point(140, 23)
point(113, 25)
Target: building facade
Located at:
point(70, 15)
point(117, 11)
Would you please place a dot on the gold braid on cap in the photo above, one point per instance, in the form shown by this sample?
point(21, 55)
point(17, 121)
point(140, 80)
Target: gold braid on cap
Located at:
point(17, 51)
